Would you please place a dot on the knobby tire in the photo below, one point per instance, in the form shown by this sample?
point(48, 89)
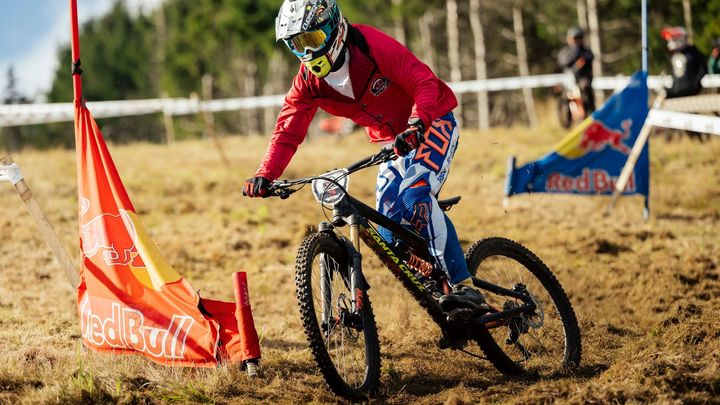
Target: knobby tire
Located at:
point(310, 248)
point(486, 248)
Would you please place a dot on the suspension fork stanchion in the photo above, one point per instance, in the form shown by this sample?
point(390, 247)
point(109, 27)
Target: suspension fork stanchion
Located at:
point(356, 278)
point(326, 293)
point(355, 232)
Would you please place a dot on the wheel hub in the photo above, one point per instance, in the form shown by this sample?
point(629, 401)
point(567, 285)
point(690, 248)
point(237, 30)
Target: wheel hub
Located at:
point(349, 320)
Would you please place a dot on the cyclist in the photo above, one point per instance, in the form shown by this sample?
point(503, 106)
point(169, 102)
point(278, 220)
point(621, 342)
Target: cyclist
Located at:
point(576, 58)
point(688, 64)
point(359, 72)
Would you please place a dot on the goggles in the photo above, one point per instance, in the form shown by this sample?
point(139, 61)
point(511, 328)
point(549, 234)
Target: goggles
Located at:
point(312, 41)
point(307, 42)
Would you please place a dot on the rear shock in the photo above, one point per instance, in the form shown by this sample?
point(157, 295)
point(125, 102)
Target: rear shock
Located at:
point(424, 271)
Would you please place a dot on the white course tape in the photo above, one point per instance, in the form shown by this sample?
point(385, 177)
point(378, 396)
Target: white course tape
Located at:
point(30, 114)
point(705, 103)
point(11, 173)
point(510, 83)
point(684, 121)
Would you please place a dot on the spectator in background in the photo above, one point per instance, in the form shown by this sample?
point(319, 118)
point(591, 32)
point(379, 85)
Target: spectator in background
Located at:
point(575, 57)
point(688, 64)
point(714, 61)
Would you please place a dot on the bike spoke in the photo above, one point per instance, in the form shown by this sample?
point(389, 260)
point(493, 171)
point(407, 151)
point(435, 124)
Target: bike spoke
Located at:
point(542, 341)
point(345, 345)
point(518, 270)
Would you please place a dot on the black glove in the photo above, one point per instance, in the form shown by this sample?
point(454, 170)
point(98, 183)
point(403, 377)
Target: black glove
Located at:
point(411, 139)
point(256, 187)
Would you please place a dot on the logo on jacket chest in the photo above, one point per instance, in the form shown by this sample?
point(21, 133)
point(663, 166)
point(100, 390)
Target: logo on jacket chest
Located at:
point(379, 86)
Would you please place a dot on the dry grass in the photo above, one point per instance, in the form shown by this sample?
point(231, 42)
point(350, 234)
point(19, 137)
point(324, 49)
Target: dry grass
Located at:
point(646, 294)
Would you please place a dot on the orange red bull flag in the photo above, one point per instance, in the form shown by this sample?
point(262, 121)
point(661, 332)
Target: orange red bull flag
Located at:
point(590, 159)
point(130, 299)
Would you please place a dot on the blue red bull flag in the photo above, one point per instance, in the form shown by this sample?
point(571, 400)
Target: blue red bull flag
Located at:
point(589, 159)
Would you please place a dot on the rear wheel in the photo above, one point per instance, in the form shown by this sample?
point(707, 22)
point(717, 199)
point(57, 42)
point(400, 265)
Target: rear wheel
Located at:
point(343, 342)
point(545, 341)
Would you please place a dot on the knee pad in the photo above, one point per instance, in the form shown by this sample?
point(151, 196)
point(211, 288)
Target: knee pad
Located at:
point(420, 216)
point(416, 205)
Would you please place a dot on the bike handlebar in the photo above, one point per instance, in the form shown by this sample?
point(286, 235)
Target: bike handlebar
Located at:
point(284, 188)
point(386, 153)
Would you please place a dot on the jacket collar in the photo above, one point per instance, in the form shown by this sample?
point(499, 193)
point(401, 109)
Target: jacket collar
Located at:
point(362, 69)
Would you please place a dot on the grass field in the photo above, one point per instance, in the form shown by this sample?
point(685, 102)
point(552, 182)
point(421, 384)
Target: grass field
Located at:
point(646, 293)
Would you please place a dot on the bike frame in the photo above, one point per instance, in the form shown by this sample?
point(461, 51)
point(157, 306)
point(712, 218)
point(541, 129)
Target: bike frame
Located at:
point(360, 218)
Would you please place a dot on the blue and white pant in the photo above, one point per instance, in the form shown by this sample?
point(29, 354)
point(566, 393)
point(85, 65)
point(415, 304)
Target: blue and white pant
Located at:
point(407, 190)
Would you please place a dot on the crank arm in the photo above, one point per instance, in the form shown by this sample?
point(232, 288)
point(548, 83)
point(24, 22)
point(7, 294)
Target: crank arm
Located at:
point(464, 315)
point(498, 316)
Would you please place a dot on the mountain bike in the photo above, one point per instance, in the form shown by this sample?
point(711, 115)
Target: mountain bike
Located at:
point(570, 107)
point(529, 325)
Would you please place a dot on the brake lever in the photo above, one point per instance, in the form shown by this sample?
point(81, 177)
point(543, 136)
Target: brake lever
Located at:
point(386, 154)
point(277, 190)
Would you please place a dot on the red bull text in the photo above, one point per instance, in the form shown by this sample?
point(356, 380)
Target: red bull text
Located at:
point(124, 328)
point(590, 181)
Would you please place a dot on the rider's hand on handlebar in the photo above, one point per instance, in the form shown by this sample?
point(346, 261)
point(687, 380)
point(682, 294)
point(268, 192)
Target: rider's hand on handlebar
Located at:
point(411, 139)
point(257, 187)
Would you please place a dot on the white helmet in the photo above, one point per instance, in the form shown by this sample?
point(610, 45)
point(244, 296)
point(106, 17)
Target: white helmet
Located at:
point(314, 30)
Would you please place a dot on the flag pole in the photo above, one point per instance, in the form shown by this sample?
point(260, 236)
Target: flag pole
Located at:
point(645, 36)
point(46, 230)
point(644, 132)
point(632, 161)
point(75, 47)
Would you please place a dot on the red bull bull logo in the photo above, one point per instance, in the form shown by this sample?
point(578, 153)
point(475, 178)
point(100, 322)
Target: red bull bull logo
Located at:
point(597, 137)
point(112, 237)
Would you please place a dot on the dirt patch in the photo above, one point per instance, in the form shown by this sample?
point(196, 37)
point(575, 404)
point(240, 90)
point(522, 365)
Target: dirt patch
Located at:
point(646, 294)
point(606, 247)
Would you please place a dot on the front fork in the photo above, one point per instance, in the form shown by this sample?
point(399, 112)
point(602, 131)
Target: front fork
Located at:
point(357, 285)
point(355, 279)
point(326, 276)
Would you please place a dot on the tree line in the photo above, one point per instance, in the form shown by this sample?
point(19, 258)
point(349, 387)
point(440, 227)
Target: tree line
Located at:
point(166, 53)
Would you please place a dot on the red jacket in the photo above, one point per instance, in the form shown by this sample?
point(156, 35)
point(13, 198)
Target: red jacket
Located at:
point(390, 86)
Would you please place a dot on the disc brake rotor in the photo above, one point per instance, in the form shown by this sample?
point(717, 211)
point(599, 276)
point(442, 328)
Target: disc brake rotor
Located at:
point(346, 318)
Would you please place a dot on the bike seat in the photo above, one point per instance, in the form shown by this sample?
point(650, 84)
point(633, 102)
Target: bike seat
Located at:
point(445, 205)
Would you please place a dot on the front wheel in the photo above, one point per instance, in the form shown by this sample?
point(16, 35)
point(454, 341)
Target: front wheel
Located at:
point(544, 341)
point(342, 336)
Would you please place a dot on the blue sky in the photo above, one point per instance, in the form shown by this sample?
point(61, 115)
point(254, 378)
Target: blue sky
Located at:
point(31, 31)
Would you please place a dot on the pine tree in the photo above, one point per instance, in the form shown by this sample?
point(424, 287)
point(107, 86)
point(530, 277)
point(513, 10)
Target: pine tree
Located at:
point(13, 138)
